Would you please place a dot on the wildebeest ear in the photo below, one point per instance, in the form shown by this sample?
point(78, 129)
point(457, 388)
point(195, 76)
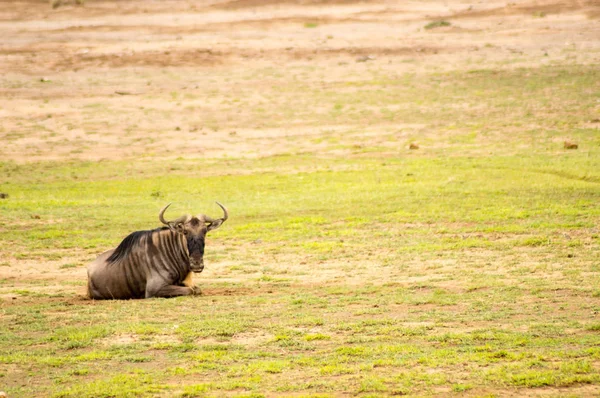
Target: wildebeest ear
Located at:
point(214, 225)
point(179, 228)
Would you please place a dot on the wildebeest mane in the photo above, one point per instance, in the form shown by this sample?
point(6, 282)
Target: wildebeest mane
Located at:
point(129, 243)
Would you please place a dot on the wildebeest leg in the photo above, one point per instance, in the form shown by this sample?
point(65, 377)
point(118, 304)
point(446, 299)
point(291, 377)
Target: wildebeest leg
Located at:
point(189, 282)
point(170, 291)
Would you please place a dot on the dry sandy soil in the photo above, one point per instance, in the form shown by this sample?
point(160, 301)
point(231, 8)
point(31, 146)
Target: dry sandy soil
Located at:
point(107, 80)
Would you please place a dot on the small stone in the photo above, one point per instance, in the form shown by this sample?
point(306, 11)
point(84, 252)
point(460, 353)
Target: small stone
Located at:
point(570, 145)
point(3, 195)
point(413, 146)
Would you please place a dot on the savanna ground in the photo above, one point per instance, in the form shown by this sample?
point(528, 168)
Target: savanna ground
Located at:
point(351, 265)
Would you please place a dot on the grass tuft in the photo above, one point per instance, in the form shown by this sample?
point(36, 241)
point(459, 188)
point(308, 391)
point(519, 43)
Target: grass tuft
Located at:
point(437, 24)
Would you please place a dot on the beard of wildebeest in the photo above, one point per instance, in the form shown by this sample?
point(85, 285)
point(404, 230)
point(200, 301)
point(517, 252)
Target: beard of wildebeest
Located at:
point(154, 263)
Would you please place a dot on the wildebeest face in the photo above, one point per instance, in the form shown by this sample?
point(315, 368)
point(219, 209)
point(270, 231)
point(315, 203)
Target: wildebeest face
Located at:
point(194, 230)
point(195, 235)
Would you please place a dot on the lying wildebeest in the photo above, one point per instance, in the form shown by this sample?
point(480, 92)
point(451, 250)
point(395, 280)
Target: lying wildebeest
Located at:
point(155, 263)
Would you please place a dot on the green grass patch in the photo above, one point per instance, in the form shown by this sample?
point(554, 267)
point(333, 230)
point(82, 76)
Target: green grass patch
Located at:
point(349, 265)
point(437, 24)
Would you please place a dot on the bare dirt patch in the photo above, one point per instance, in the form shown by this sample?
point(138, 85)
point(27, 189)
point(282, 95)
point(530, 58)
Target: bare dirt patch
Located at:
point(250, 339)
point(538, 9)
point(66, 66)
point(237, 4)
point(228, 292)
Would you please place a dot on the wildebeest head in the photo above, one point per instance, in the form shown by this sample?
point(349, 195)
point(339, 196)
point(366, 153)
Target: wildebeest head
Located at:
point(194, 229)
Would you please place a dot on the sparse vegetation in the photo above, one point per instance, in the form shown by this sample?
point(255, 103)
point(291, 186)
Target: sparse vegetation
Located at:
point(59, 3)
point(437, 24)
point(351, 264)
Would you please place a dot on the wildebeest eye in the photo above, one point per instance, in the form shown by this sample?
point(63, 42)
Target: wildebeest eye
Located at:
point(185, 232)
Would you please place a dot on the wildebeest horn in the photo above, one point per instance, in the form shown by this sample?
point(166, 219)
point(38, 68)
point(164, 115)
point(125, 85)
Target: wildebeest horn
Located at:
point(161, 217)
point(225, 215)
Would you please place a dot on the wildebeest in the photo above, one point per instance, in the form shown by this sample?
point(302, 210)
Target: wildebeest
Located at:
point(154, 263)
